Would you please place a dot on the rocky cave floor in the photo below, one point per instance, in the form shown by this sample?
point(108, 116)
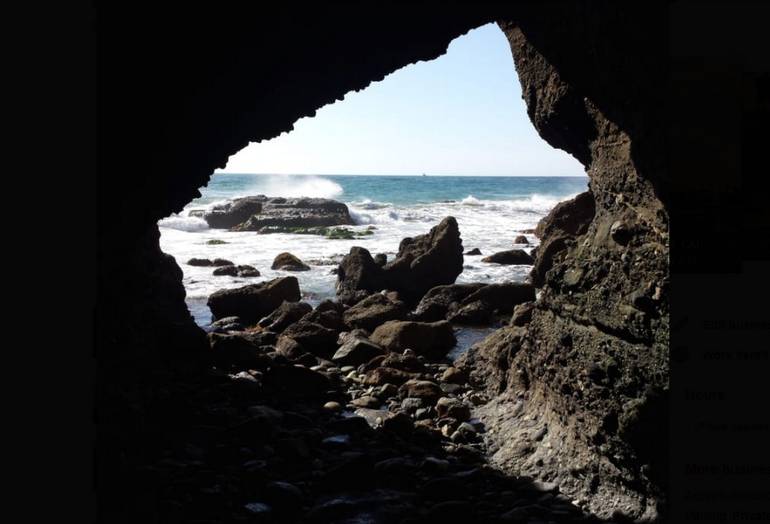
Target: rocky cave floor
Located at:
point(274, 441)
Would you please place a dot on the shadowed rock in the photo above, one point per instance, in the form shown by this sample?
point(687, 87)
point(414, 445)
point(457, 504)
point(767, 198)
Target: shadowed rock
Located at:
point(510, 257)
point(233, 213)
point(288, 262)
point(427, 338)
point(373, 311)
point(422, 262)
point(254, 301)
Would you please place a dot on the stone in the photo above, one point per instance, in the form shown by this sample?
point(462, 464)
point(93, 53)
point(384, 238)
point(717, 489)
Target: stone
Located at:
point(355, 351)
point(454, 375)
point(366, 402)
point(522, 314)
point(333, 406)
point(421, 263)
point(384, 375)
point(440, 300)
point(233, 213)
point(521, 239)
point(295, 215)
point(510, 257)
point(373, 311)
point(312, 338)
point(422, 389)
point(570, 217)
point(285, 315)
point(228, 324)
point(425, 338)
point(474, 252)
point(288, 262)
point(254, 301)
point(452, 407)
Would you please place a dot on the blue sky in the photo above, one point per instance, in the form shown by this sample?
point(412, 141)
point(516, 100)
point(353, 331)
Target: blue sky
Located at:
point(461, 114)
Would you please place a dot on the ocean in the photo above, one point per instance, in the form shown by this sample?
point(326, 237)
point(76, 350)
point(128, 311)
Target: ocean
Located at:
point(490, 211)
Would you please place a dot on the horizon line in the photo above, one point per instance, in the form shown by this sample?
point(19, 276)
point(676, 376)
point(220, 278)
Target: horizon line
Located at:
point(381, 174)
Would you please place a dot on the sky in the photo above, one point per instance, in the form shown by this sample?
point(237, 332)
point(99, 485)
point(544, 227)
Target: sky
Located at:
point(460, 114)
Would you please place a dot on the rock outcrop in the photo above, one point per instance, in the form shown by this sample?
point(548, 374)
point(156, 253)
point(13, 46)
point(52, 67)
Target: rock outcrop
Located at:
point(421, 263)
point(288, 262)
point(425, 338)
point(510, 257)
point(256, 212)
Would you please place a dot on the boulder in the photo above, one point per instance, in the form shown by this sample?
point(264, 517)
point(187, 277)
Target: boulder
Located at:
point(473, 252)
point(205, 262)
point(521, 239)
point(290, 213)
point(373, 311)
point(512, 256)
point(440, 300)
point(426, 338)
point(254, 301)
point(231, 214)
point(312, 338)
point(355, 351)
point(423, 389)
point(288, 262)
point(421, 263)
point(385, 375)
point(381, 259)
point(284, 316)
point(502, 298)
point(295, 381)
point(475, 313)
point(227, 324)
point(239, 349)
point(237, 271)
point(328, 318)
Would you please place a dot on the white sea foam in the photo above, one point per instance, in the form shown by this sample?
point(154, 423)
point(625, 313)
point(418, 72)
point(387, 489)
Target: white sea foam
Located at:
point(293, 186)
point(184, 223)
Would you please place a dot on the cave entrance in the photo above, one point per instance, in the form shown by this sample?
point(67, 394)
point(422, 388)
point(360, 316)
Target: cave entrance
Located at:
point(449, 137)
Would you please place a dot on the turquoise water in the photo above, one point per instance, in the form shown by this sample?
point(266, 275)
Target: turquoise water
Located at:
point(490, 212)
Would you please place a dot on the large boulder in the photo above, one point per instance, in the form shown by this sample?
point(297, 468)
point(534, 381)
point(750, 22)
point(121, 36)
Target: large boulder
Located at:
point(441, 300)
point(288, 262)
point(311, 337)
point(286, 314)
point(512, 256)
point(288, 213)
point(421, 263)
point(373, 311)
point(425, 338)
point(231, 214)
point(254, 301)
point(502, 297)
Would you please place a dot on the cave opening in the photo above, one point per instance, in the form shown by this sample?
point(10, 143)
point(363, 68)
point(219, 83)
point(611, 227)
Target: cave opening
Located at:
point(265, 440)
point(460, 117)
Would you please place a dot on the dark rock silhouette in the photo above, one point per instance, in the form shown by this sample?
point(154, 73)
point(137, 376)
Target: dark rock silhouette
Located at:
point(255, 301)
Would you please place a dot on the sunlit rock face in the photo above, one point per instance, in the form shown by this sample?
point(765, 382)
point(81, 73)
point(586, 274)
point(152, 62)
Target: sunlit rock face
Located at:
point(580, 390)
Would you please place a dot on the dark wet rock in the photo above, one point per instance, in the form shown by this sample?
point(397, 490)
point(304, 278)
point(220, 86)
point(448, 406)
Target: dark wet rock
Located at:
point(292, 213)
point(373, 311)
point(284, 496)
point(522, 314)
point(475, 313)
point(441, 300)
point(502, 298)
point(285, 315)
point(328, 318)
point(366, 402)
point(237, 271)
point(233, 213)
point(452, 407)
point(202, 262)
point(570, 217)
point(422, 389)
point(205, 262)
point(422, 262)
point(238, 349)
point(409, 363)
point(385, 375)
point(295, 381)
point(510, 257)
point(521, 239)
point(227, 324)
point(288, 262)
point(254, 301)
point(474, 252)
point(355, 351)
point(312, 338)
point(425, 338)
point(380, 259)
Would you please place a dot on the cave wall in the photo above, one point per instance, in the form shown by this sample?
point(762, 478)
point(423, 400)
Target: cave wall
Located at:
point(582, 390)
point(182, 88)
